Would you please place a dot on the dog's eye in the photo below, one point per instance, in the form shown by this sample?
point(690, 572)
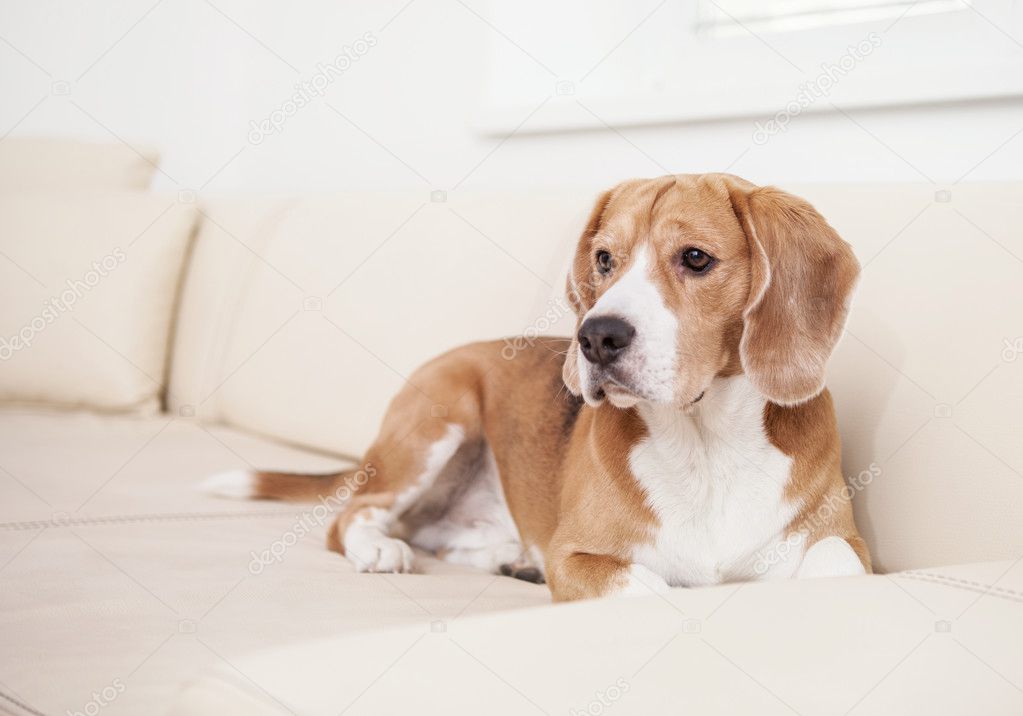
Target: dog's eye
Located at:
point(604, 262)
point(696, 260)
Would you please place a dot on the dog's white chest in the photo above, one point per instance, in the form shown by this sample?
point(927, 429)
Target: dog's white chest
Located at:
point(717, 486)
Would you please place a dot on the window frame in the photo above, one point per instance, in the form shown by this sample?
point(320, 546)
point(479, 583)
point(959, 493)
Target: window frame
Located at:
point(974, 53)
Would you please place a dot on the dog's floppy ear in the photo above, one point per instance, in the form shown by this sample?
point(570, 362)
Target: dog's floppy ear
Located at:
point(579, 287)
point(802, 277)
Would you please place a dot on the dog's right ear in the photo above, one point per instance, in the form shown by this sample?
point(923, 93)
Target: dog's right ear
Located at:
point(580, 284)
point(579, 287)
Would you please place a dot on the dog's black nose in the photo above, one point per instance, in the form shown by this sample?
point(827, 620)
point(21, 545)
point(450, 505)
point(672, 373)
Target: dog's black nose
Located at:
point(605, 338)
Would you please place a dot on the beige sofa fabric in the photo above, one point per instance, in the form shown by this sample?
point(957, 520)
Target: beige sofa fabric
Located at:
point(88, 287)
point(115, 570)
point(304, 323)
point(128, 577)
point(944, 641)
point(928, 380)
point(68, 165)
point(228, 248)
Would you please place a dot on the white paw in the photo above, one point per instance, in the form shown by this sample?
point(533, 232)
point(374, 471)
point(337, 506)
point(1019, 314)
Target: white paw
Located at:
point(640, 581)
point(235, 484)
point(392, 556)
point(830, 557)
point(372, 551)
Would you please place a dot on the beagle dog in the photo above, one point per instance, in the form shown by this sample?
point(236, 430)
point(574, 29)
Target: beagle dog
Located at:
point(682, 437)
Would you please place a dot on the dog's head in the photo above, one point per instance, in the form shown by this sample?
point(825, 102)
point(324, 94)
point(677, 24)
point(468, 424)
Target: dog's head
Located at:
point(682, 279)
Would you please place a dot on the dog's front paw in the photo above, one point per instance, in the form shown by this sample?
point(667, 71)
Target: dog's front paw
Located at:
point(639, 581)
point(377, 553)
point(830, 557)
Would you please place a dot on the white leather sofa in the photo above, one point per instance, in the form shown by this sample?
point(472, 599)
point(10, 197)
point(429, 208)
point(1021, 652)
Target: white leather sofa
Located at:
point(271, 332)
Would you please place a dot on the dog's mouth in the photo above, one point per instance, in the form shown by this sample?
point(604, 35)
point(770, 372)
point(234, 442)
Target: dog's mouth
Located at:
point(619, 396)
point(614, 390)
point(619, 393)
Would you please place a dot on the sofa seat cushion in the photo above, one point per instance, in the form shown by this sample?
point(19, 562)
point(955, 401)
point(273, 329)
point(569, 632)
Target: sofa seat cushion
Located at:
point(119, 580)
point(943, 641)
point(75, 467)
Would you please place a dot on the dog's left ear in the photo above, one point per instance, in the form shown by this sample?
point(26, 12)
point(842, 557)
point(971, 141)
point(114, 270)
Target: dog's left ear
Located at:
point(579, 288)
point(802, 277)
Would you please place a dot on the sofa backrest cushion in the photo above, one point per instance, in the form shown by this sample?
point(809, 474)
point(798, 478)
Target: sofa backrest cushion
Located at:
point(69, 165)
point(302, 318)
point(88, 287)
point(928, 379)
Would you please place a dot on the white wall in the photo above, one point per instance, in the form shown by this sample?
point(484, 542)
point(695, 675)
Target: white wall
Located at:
point(189, 77)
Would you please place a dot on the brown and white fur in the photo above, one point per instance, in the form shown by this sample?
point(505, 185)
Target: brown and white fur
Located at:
point(699, 449)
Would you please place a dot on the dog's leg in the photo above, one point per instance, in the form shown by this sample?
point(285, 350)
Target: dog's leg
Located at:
point(402, 473)
point(365, 525)
point(582, 575)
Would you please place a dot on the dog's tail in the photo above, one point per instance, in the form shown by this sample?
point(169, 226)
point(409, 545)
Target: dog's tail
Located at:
point(287, 486)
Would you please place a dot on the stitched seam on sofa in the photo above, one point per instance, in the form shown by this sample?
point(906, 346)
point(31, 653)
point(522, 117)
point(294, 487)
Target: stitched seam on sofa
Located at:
point(19, 704)
point(960, 580)
point(130, 519)
point(966, 585)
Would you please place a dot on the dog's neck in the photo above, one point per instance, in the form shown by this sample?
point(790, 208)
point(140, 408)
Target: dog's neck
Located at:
point(731, 409)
